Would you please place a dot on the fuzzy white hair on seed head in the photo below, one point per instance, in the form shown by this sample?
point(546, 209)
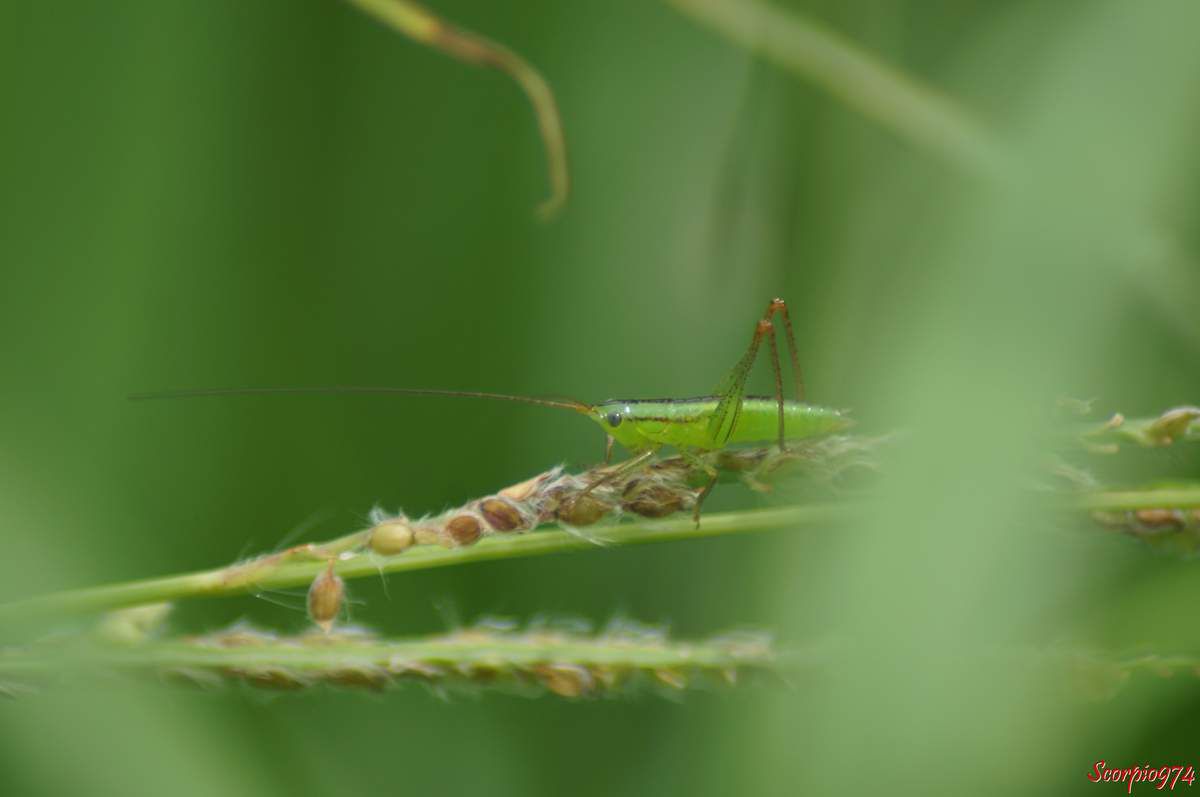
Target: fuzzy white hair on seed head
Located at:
point(378, 515)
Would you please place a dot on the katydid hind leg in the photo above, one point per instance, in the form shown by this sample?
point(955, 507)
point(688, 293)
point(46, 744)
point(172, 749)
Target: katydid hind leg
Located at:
point(778, 386)
point(780, 306)
point(732, 390)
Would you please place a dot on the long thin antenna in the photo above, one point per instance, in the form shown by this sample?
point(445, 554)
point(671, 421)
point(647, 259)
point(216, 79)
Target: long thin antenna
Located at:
point(566, 404)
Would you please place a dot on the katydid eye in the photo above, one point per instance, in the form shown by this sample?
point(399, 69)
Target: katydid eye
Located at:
point(614, 419)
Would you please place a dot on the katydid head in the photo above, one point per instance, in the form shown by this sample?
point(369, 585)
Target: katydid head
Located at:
point(616, 418)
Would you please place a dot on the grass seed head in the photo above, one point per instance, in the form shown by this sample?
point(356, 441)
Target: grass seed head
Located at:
point(501, 515)
point(583, 510)
point(463, 530)
point(277, 678)
point(1162, 519)
point(524, 490)
point(656, 501)
point(672, 677)
point(565, 680)
point(1171, 425)
point(392, 537)
point(325, 598)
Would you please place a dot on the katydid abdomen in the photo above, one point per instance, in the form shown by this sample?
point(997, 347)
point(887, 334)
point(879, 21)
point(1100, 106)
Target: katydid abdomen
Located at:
point(640, 424)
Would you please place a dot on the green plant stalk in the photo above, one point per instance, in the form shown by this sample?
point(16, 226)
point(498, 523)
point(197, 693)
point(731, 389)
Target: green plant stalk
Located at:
point(277, 571)
point(273, 572)
point(423, 26)
point(1133, 500)
point(863, 82)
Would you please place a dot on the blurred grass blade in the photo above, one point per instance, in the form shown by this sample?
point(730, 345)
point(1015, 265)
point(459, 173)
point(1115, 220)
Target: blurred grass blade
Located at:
point(873, 88)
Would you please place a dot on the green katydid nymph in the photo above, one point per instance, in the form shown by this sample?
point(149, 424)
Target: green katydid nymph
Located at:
point(643, 426)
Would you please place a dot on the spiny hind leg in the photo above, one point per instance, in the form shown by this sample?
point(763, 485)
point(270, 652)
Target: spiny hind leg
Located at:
point(778, 305)
point(733, 388)
point(766, 327)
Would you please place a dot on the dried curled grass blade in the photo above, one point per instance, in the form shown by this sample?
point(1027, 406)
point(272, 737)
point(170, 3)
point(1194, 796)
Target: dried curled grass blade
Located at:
point(423, 26)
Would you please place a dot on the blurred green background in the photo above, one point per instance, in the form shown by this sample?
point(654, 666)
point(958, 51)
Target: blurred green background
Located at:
point(212, 193)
